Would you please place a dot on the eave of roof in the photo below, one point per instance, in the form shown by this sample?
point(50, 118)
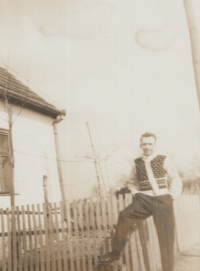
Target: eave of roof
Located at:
point(19, 94)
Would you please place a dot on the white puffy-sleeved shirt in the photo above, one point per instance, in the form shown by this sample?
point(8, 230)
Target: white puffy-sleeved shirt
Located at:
point(174, 180)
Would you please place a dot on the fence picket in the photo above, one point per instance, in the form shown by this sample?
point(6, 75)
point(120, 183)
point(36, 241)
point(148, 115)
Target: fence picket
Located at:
point(76, 234)
point(127, 201)
point(51, 239)
point(93, 229)
point(143, 237)
point(14, 239)
point(104, 224)
point(10, 262)
point(139, 252)
point(80, 213)
point(115, 209)
point(19, 248)
point(41, 242)
point(127, 255)
point(81, 221)
point(153, 247)
point(134, 254)
point(110, 222)
point(59, 253)
point(47, 240)
point(98, 222)
point(35, 232)
point(25, 261)
point(31, 257)
point(69, 239)
point(88, 240)
point(4, 248)
point(64, 240)
point(121, 206)
point(115, 214)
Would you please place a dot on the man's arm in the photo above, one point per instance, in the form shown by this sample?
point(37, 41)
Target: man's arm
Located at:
point(133, 186)
point(175, 182)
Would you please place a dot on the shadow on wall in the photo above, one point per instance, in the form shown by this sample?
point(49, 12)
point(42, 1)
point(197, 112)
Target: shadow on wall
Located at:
point(159, 39)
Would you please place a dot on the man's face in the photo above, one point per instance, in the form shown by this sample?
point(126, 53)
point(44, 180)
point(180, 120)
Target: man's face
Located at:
point(148, 145)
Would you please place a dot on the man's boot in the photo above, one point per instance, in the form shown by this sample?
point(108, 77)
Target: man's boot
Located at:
point(107, 259)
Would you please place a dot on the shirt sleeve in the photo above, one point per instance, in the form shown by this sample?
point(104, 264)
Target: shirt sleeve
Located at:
point(175, 182)
point(133, 186)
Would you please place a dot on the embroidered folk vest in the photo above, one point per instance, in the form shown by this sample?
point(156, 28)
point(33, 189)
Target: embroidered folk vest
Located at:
point(158, 172)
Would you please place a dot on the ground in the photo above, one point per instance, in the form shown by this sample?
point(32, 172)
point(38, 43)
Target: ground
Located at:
point(189, 260)
point(186, 261)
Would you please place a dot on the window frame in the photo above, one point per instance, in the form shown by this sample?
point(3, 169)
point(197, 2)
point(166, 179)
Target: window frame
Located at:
point(5, 132)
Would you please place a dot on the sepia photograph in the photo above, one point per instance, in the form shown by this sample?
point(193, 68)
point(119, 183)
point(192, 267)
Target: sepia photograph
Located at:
point(100, 135)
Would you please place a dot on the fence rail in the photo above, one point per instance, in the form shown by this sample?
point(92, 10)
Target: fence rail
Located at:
point(50, 237)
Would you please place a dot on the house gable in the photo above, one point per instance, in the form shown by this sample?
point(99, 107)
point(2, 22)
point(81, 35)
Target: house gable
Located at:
point(21, 95)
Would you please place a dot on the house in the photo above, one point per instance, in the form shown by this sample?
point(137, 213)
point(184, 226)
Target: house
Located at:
point(27, 144)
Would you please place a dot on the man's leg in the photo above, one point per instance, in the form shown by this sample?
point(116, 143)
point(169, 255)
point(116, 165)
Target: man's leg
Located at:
point(164, 220)
point(138, 210)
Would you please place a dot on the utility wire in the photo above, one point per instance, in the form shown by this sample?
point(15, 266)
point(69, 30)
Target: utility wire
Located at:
point(15, 181)
point(61, 160)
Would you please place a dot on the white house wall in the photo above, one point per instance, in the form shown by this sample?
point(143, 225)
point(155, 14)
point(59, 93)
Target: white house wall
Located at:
point(34, 157)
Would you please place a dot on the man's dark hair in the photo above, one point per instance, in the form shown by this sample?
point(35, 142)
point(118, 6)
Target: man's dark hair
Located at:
point(148, 135)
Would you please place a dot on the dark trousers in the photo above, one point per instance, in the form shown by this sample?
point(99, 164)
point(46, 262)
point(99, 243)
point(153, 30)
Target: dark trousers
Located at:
point(143, 206)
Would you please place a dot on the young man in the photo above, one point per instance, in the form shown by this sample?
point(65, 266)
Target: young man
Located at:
point(156, 184)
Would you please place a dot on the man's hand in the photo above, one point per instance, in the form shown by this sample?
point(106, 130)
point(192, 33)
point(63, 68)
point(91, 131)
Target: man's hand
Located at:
point(133, 191)
point(123, 191)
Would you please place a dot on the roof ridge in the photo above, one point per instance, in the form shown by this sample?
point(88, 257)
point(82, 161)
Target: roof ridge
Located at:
point(18, 90)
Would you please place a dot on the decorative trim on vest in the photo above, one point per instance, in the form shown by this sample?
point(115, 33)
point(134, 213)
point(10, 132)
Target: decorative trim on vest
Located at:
point(157, 166)
point(158, 172)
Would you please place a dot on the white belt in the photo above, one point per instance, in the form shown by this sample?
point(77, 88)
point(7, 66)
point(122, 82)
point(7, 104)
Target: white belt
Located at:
point(161, 191)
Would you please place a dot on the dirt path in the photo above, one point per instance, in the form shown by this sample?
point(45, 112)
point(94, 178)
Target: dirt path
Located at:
point(190, 261)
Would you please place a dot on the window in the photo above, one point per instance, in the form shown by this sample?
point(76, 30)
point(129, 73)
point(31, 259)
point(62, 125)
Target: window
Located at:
point(5, 167)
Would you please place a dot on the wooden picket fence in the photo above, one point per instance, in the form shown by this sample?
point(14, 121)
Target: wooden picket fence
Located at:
point(71, 236)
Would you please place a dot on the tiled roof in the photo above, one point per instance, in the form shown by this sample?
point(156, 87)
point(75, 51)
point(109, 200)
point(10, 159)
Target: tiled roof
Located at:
point(19, 94)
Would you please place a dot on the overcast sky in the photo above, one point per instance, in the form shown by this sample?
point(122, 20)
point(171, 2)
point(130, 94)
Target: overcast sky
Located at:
point(123, 66)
